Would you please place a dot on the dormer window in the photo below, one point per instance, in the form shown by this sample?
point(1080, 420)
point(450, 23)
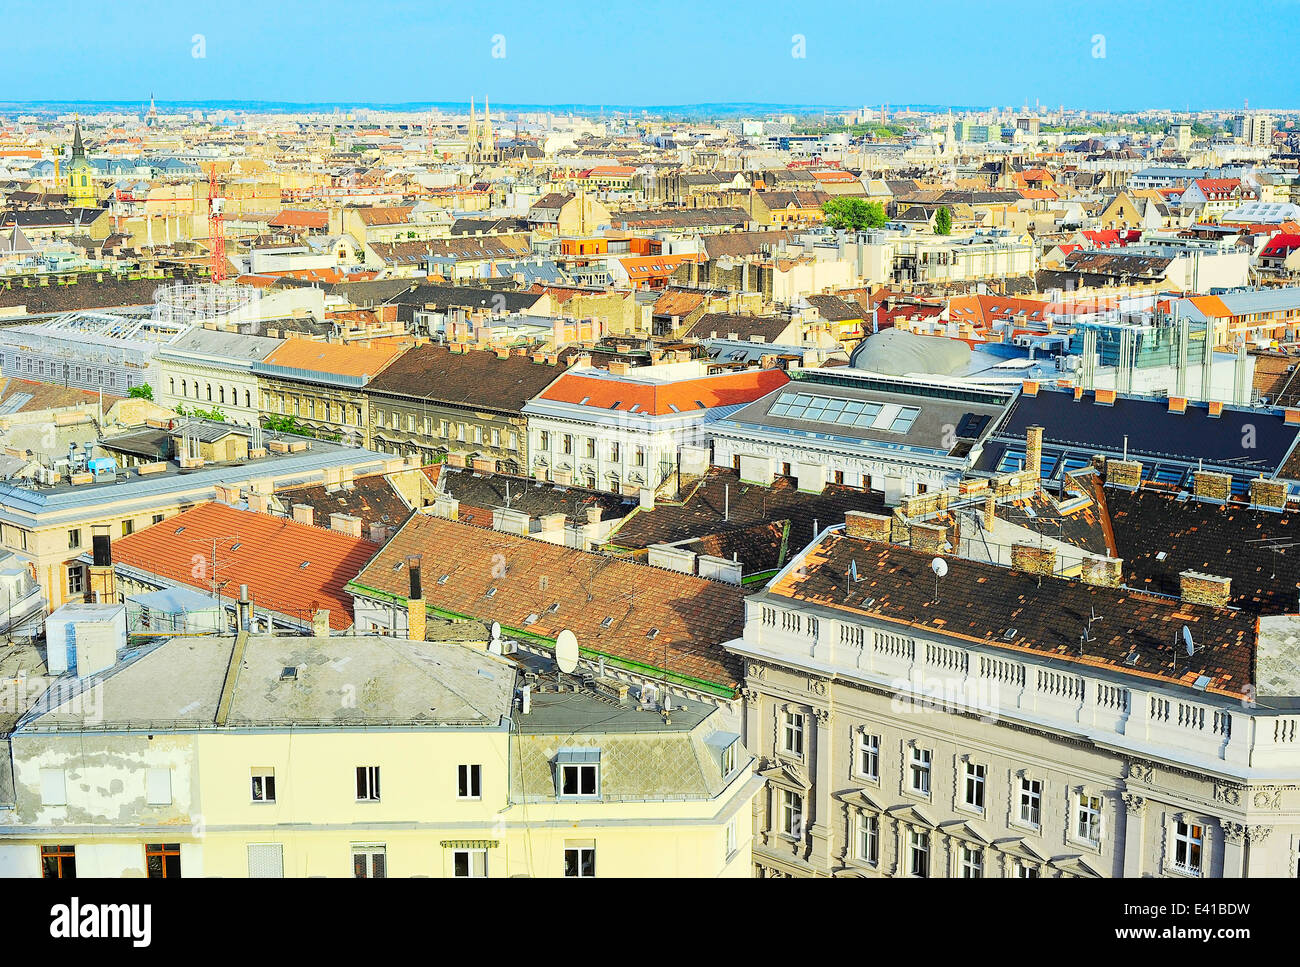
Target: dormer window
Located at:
point(577, 773)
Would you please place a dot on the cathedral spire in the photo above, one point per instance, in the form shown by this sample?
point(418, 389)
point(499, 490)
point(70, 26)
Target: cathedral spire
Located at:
point(78, 149)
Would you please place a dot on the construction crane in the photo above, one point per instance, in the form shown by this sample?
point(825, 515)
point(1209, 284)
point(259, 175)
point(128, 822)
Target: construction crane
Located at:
point(216, 230)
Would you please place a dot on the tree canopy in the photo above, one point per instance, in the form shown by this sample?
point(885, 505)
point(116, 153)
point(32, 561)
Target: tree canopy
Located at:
point(943, 222)
point(854, 214)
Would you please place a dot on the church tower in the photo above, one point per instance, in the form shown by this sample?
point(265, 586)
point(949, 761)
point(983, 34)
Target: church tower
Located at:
point(80, 186)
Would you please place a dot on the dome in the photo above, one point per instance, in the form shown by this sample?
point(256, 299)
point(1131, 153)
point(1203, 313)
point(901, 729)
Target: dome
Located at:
point(896, 352)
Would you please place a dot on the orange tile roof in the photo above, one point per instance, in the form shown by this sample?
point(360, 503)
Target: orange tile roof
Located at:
point(658, 399)
point(300, 218)
point(1211, 306)
point(267, 553)
point(651, 266)
point(337, 359)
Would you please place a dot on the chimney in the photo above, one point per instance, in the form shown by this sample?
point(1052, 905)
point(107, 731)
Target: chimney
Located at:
point(1124, 473)
point(1268, 494)
point(552, 528)
point(1034, 452)
point(1211, 487)
point(416, 616)
point(259, 503)
point(1102, 572)
point(990, 510)
point(1209, 589)
point(647, 499)
point(619, 367)
point(346, 524)
point(103, 587)
point(303, 514)
point(245, 611)
point(867, 527)
point(320, 623)
point(1032, 559)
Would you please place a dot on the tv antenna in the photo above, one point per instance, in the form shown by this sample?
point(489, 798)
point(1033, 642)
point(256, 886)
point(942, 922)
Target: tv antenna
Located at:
point(940, 568)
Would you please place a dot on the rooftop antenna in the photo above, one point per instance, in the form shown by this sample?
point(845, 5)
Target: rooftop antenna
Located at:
point(1187, 644)
point(940, 568)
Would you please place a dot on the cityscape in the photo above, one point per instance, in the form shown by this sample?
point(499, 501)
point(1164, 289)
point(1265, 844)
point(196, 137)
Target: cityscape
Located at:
point(479, 480)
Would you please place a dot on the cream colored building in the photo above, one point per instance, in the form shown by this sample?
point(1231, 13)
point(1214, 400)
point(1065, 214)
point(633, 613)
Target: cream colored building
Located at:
point(900, 734)
point(373, 757)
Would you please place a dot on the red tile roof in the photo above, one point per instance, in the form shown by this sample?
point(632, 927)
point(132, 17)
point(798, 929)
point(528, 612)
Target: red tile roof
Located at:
point(300, 218)
point(658, 399)
point(267, 553)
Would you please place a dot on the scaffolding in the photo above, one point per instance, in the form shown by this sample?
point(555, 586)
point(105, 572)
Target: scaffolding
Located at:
point(192, 305)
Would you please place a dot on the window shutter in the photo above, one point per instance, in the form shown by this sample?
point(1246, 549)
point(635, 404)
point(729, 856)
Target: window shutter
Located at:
point(266, 861)
point(159, 787)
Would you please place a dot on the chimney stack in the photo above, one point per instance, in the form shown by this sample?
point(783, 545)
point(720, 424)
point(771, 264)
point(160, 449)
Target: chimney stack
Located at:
point(320, 623)
point(416, 617)
point(1034, 452)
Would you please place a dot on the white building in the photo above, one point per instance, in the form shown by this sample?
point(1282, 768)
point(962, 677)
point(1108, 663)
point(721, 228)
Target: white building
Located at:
point(621, 429)
point(207, 369)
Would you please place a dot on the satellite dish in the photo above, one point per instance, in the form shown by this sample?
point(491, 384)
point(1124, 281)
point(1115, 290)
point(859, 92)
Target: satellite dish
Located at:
point(496, 630)
point(939, 566)
point(1188, 645)
point(853, 569)
point(566, 651)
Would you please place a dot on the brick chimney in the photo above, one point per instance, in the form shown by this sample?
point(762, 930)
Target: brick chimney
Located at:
point(1032, 559)
point(1102, 572)
point(1034, 452)
point(1211, 487)
point(1268, 493)
point(867, 527)
point(1198, 588)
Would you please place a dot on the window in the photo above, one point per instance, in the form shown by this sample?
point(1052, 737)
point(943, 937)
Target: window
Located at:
point(54, 788)
point(369, 862)
point(868, 838)
point(545, 438)
point(791, 813)
point(974, 787)
point(919, 772)
point(469, 782)
point(367, 783)
point(469, 863)
point(263, 782)
point(1026, 871)
point(1088, 818)
point(162, 860)
point(729, 839)
point(729, 758)
point(591, 448)
point(579, 779)
point(76, 579)
point(265, 861)
point(59, 862)
point(918, 853)
point(580, 861)
point(972, 863)
point(615, 452)
point(128, 527)
point(1189, 841)
point(1031, 799)
point(157, 518)
point(868, 756)
point(792, 734)
point(568, 444)
point(158, 787)
point(74, 538)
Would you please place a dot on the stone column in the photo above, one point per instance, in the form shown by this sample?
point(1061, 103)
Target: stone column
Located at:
point(1255, 835)
point(1134, 816)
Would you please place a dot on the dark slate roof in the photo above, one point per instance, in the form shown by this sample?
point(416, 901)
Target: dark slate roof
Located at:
point(769, 328)
point(370, 497)
point(762, 525)
point(1152, 431)
point(86, 294)
point(475, 378)
point(1258, 549)
point(480, 493)
point(983, 604)
point(443, 297)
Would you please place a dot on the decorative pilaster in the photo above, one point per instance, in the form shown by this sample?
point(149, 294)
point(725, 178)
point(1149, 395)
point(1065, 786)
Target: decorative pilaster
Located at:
point(820, 794)
point(1234, 849)
point(1134, 829)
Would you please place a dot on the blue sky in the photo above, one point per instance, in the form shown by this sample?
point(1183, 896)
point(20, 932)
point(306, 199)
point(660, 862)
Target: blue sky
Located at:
point(1193, 53)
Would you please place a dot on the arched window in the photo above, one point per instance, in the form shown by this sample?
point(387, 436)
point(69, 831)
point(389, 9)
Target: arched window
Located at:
point(221, 394)
point(209, 392)
point(247, 398)
point(171, 385)
point(184, 388)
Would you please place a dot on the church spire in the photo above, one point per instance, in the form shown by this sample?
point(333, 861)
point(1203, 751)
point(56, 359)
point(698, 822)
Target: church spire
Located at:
point(78, 149)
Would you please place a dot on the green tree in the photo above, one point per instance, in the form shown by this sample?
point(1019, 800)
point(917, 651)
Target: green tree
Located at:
point(215, 414)
point(853, 214)
point(284, 424)
point(943, 222)
point(142, 392)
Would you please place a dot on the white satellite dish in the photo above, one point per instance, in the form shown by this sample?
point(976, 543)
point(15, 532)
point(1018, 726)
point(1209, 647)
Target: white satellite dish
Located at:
point(853, 570)
point(1188, 645)
point(939, 566)
point(566, 651)
point(496, 630)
